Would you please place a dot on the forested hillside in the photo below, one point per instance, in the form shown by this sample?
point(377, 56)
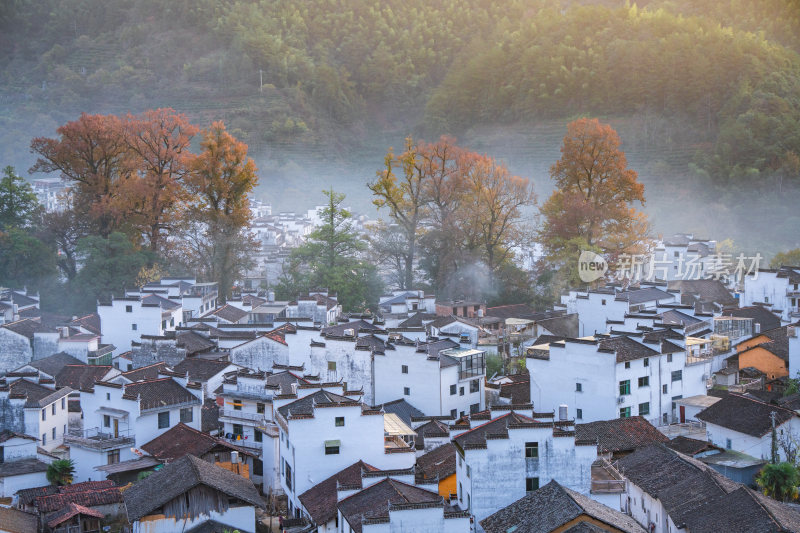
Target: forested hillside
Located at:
point(711, 90)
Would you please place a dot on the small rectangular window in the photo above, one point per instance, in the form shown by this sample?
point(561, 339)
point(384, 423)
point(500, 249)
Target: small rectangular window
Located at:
point(474, 408)
point(624, 387)
point(44, 414)
point(531, 450)
point(187, 415)
point(63, 402)
point(644, 408)
point(54, 433)
point(728, 443)
point(44, 439)
point(677, 375)
point(237, 405)
point(625, 412)
point(453, 414)
point(134, 327)
point(331, 449)
point(106, 421)
point(461, 391)
point(453, 390)
point(129, 309)
point(331, 366)
point(475, 385)
point(113, 457)
point(257, 436)
point(53, 408)
point(260, 408)
point(578, 387)
point(646, 361)
point(238, 429)
point(339, 421)
point(163, 419)
point(531, 484)
point(669, 358)
point(627, 364)
point(406, 391)
point(469, 471)
point(404, 369)
point(644, 381)
point(579, 414)
point(108, 396)
point(664, 389)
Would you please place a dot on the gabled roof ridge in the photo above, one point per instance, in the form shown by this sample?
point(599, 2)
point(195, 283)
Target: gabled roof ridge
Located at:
point(758, 502)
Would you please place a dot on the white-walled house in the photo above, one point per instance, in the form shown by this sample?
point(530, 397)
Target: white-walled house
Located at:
point(188, 493)
point(125, 320)
point(776, 289)
point(501, 460)
point(120, 416)
point(406, 302)
point(393, 506)
point(744, 424)
point(33, 409)
point(613, 377)
point(248, 418)
point(437, 381)
point(596, 306)
point(668, 492)
point(21, 466)
point(323, 433)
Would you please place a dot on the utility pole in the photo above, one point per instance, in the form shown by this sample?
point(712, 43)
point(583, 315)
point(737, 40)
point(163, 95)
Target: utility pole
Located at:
point(774, 440)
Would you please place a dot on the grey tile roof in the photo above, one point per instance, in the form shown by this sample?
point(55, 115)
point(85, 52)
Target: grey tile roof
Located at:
point(402, 409)
point(760, 315)
point(160, 301)
point(477, 436)
point(200, 369)
point(744, 510)
point(703, 290)
point(373, 502)
point(437, 464)
point(80, 377)
point(745, 415)
point(22, 466)
point(179, 477)
point(52, 364)
point(682, 484)
point(157, 393)
point(229, 313)
point(305, 405)
point(320, 500)
point(552, 507)
point(358, 327)
point(35, 394)
point(620, 434)
point(626, 348)
point(639, 296)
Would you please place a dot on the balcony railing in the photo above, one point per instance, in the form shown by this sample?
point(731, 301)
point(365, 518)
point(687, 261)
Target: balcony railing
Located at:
point(100, 438)
point(259, 418)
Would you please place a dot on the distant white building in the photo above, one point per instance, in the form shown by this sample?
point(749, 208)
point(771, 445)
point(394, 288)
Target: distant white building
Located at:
point(776, 289)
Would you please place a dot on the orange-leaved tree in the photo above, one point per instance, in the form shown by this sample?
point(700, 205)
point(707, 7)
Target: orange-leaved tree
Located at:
point(220, 178)
point(592, 206)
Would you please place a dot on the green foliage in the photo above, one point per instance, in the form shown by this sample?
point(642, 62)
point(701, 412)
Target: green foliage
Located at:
point(332, 258)
point(109, 266)
point(494, 365)
point(25, 261)
point(61, 471)
point(787, 258)
point(18, 203)
point(779, 481)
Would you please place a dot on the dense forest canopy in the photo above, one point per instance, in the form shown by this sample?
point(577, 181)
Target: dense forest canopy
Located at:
point(711, 90)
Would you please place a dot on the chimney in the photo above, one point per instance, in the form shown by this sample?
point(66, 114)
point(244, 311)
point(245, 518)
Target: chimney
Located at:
point(562, 411)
